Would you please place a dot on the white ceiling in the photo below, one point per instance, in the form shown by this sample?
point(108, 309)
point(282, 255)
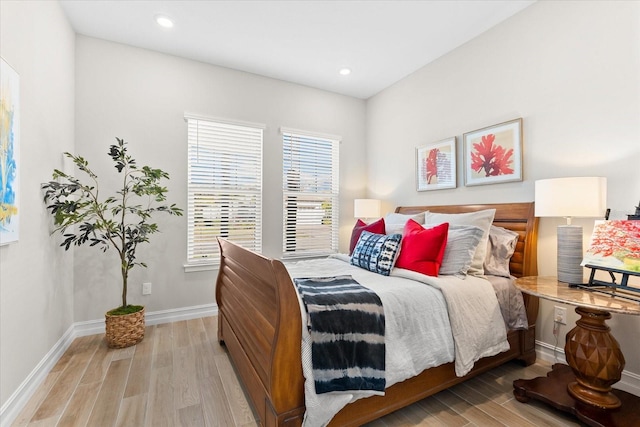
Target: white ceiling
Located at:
point(305, 42)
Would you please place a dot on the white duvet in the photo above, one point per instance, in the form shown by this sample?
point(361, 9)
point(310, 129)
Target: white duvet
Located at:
point(426, 324)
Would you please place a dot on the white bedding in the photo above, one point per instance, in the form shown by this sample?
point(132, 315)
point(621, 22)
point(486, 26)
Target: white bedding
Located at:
point(511, 302)
point(424, 316)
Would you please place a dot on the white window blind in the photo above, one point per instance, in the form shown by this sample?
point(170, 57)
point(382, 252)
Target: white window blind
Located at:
point(224, 188)
point(311, 190)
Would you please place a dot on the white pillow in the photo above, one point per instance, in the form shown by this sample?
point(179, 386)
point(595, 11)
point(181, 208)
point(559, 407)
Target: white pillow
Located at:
point(500, 248)
point(462, 242)
point(394, 222)
point(481, 219)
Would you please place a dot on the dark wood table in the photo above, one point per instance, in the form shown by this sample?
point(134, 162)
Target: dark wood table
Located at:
point(595, 361)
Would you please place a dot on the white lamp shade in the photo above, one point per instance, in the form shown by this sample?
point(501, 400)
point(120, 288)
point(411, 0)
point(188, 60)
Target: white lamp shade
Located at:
point(571, 197)
point(366, 208)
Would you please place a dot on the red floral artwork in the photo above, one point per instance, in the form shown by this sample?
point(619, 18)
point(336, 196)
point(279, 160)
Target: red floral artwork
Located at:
point(492, 158)
point(431, 165)
point(617, 240)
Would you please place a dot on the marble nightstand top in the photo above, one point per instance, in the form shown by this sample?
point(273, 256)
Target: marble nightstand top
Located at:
point(550, 288)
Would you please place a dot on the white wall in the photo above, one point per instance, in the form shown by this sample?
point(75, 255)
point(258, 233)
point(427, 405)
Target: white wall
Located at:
point(142, 96)
point(36, 277)
point(571, 70)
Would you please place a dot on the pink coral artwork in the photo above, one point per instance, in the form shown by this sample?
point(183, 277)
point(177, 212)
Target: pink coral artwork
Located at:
point(494, 154)
point(436, 165)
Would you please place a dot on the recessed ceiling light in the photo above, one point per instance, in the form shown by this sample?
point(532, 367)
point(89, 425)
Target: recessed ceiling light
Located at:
point(345, 71)
point(164, 21)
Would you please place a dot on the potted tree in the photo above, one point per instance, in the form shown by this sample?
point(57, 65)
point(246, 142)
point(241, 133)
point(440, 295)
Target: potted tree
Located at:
point(121, 221)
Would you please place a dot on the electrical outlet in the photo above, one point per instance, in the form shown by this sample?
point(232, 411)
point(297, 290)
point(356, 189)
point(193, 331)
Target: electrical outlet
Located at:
point(146, 288)
point(560, 315)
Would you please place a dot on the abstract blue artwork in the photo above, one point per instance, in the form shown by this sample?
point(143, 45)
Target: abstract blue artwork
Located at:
point(9, 153)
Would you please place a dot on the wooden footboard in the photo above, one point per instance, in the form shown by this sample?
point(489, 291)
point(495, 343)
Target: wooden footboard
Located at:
point(259, 322)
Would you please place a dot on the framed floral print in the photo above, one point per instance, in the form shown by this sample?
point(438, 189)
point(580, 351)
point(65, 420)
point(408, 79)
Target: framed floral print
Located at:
point(436, 165)
point(493, 154)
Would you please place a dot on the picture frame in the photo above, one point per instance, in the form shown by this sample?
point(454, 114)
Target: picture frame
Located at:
point(614, 244)
point(9, 154)
point(436, 165)
point(614, 248)
point(493, 154)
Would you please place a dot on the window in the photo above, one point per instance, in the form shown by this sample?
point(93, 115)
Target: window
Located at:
point(310, 189)
point(224, 188)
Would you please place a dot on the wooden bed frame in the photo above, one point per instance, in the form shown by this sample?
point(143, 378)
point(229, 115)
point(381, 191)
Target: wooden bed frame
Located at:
point(259, 322)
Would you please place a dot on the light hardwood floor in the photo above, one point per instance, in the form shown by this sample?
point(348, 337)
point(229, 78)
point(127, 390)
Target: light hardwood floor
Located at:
point(180, 376)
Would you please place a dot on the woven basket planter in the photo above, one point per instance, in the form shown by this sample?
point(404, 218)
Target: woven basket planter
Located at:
point(125, 330)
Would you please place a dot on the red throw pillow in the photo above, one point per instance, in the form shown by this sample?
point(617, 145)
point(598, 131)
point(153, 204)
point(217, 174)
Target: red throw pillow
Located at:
point(422, 248)
point(376, 227)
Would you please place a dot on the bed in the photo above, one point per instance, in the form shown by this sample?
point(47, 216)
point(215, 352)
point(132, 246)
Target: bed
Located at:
point(259, 321)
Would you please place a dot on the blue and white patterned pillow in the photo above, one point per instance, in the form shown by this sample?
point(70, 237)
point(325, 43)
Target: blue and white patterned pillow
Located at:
point(376, 252)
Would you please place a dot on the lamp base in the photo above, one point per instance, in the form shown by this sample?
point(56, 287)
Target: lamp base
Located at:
point(570, 254)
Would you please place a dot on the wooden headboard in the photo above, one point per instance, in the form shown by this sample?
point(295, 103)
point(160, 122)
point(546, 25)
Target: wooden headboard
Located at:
point(518, 217)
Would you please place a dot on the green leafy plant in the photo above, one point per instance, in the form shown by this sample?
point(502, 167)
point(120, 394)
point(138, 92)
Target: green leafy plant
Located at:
point(120, 221)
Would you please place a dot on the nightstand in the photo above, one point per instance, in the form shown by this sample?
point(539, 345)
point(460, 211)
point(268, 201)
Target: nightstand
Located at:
point(595, 360)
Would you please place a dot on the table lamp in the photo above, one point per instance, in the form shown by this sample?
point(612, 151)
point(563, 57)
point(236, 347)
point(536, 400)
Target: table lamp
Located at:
point(575, 197)
point(366, 208)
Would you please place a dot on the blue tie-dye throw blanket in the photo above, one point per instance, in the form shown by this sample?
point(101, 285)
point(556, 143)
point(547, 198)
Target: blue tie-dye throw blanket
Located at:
point(346, 325)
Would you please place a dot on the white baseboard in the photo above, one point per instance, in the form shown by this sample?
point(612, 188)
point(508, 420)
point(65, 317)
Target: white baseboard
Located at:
point(12, 407)
point(629, 381)
point(550, 353)
point(92, 327)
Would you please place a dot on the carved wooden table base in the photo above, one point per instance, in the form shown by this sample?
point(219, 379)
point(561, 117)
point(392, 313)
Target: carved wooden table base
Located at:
point(552, 390)
point(595, 360)
point(595, 357)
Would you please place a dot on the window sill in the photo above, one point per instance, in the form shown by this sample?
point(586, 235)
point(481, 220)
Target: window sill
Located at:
point(301, 257)
point(194, 268)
